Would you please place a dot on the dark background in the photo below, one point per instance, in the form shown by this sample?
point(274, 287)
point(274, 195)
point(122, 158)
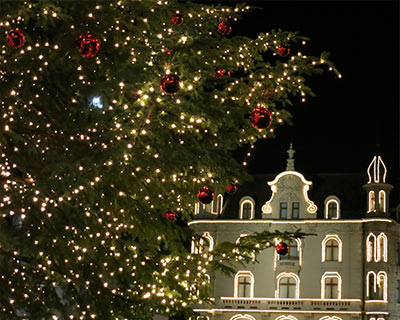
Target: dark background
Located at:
point(339, 129)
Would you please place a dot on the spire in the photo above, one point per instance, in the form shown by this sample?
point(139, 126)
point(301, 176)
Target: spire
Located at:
point(290, 160)
point(377, 170)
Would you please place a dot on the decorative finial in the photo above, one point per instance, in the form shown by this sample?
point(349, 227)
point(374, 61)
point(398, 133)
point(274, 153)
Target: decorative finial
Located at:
point(377, 171)
point(290, 160)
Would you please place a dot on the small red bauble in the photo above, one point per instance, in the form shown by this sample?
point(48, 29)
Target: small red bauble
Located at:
point(282, 248)
point(224, 27)
point(260, 118)
point(177, 19)
point(88, 44)
point(15, 38)
point(170, 215)
point(283, 51)
point(231, 188)
point(205, 195)
point(220, 73)
point(170, 83)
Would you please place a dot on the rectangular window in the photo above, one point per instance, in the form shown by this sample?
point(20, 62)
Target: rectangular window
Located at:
point(331, 288)
point(244, 285)
point(283, 210)
point(398, 291)
point(398, 253)
point(295, 210)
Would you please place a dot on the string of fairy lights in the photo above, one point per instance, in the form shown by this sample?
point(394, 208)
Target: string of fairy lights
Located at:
point(163, 52)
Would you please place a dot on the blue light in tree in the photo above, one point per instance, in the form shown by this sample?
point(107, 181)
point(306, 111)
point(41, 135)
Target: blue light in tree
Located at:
point(97, 103)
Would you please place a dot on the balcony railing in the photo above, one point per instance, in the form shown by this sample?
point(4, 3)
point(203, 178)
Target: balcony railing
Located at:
point(290, 304)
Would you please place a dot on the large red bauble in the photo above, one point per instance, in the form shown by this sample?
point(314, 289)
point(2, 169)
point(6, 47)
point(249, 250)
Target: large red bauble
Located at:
point(170, 83)
point(219, 73)
point(231, 188)
point(88, 44)
point(170, 215)
point(15, 38)
point(260, 118)
point(177, 19)
point(205, 195)
point(283, 51)
point(282, 248)
point(224, 28)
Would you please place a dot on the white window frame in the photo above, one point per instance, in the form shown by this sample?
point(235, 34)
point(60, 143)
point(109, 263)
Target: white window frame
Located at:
point(286, 318)
point(376, 284)
point(371, 204)
point(379, 255)
point(329, 200)
point(331, 274)
point(199, 249)
point(330, 318)
point(277, 256)
point(243, 317)
point(242, 202)
point(288, 275)
point(382, 205)
point(243, 273)
point(371, 250)
point(340, 247)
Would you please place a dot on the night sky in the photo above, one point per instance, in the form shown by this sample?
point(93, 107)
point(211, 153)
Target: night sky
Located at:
point(338, 130)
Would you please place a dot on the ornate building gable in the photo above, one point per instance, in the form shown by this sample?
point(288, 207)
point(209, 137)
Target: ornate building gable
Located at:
point(289, 198)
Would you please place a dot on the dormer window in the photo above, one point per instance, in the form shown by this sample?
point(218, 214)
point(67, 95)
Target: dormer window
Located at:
point(246, 210)
point(283, 210)
point(332, 207)
point(371, 201)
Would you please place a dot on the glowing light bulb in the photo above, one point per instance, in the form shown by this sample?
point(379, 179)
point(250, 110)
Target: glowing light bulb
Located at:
point(96, 102)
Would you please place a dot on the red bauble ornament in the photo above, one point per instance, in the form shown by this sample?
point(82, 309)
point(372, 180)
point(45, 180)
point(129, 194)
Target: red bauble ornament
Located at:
point(282, 248)
point(15, 38)
point(220, 73)
point(205, 195)
point(170, 215)
point(170, 83)
point(224, 27)
point(260, 118)
point(88, 44)
point(283, 51)
point(231, 188)
point(177, 19)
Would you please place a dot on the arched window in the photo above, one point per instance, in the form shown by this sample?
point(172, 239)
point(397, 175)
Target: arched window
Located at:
point(288, 285)
point(332, 248)
point(244, 284)
point(246, 208)
point(332, 207)
point(381, 247)
point(203, 245)
point(331, 285)
point(294, 252)
point(330, 318)
point(382, 201)
point(286, 318)
point(371, 201)
point(242, 317)
point(377, 286)
point(371, 247)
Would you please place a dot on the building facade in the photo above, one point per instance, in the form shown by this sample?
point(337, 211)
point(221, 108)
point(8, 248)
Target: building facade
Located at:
point(348, 270)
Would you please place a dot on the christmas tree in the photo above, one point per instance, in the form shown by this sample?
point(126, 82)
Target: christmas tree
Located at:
point(114, 115)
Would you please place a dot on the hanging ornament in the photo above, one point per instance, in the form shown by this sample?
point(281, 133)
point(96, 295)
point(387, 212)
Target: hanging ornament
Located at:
point(170, 83)
point(88, 44)
point(177, 19)
point(267, 94)
point(170, 215)
point(282, 248)
point(205, 195)
point(231, 188)
point(224, 27)
point(283, 51)
point(15, 38)
point(134, 95)
point(260, 118)
point(221, 72)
